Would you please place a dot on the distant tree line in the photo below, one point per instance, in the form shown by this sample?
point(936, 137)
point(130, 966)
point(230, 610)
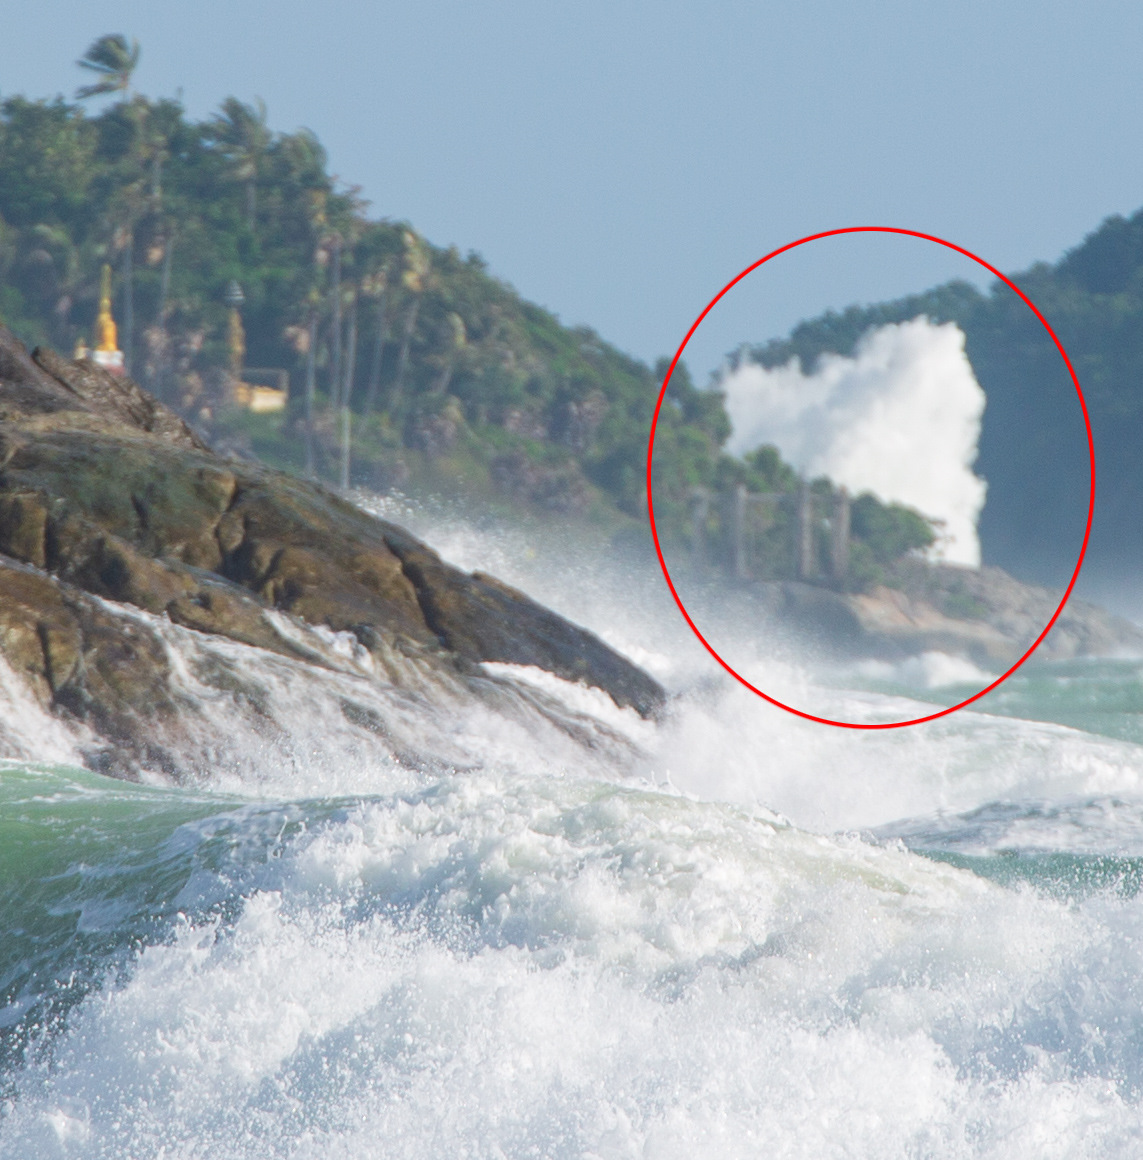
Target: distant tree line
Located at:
point(1033, 445)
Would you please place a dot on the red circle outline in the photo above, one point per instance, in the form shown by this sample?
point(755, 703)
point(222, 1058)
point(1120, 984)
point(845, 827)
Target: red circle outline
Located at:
point(1090, 451)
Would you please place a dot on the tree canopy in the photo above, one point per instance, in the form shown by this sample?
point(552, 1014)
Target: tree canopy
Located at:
point(456, 381)
point(113, 60)
point(1033, 446)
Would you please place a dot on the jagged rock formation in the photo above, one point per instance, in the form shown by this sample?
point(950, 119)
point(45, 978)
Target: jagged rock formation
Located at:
point(105, 495)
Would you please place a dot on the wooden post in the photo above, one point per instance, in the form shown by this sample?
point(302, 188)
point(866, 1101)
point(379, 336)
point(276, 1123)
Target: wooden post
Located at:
point(700, 506)
point(839, 538)
point(763, 508)
point(805, 532)
point(738, 531)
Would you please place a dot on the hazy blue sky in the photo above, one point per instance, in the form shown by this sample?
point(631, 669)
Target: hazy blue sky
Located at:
point(619, 161)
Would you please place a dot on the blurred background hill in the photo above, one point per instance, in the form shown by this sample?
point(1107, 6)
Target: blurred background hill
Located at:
point(456, 384)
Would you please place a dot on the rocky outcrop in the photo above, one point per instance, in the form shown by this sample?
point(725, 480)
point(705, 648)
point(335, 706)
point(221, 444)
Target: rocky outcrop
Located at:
point(107, 495)
point(983, 614)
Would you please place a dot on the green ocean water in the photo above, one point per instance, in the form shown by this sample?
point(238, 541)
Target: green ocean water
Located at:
point(1099, 696)
point(94, 869)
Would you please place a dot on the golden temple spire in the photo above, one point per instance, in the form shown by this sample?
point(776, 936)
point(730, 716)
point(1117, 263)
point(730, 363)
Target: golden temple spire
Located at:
point(106, 334)
point(107, 353)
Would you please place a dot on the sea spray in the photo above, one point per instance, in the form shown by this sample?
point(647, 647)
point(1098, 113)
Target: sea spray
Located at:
point(900, 419)
point(720, 741)
point(27, 728)
point(603, 943)
point(509, 966)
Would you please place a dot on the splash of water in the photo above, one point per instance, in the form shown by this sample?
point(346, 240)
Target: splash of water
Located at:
point(572, 942)
point(900, 419)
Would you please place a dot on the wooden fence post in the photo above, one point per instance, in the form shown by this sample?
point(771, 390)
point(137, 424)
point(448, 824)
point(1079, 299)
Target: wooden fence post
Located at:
point(805, 532)
point(700, 506)
point(839, 538)
point(738, 531)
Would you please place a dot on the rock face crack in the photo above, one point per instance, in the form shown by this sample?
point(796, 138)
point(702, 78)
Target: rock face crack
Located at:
point(140, 511)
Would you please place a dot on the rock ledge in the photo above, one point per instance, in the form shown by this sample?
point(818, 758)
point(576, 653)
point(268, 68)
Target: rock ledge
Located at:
point(106, 495)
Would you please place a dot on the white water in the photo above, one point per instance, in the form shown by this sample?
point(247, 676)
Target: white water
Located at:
point(900, 419)
point(635, 940)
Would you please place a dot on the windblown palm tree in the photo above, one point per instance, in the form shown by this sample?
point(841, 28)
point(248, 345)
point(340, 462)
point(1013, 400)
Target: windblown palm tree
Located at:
point(114, 60)
point(377, 286)
point(243, 136)
point(347, 389)
point(456, 342)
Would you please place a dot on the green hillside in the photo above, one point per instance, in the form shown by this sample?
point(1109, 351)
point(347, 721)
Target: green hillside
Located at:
point(452, 382)
point(1032, 448)
point(449, 362)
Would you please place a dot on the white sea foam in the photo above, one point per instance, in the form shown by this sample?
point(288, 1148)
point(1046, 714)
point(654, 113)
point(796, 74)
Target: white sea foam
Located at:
point(900, 419)
point(638, 939)
point(512, 967)
point(927, 670)
point(28, 731)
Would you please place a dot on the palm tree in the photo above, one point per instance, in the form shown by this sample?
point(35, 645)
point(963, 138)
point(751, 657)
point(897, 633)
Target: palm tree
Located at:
point(377, 287)
point(114, 60)
point(340, 242)
point(311, 355)
point(347, 389)
point(241, 133)
point(418, 266)
point(335, 319)
point(127, 282)
point(157, 129)
point(456, 340)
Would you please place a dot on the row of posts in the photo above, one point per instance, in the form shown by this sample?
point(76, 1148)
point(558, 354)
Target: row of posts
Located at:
point(741, 504)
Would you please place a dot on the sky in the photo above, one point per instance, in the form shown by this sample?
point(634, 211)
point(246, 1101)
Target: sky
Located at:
point(618, 161)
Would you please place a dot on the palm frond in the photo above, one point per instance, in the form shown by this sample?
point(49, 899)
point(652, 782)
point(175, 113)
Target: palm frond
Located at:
point(114, 60)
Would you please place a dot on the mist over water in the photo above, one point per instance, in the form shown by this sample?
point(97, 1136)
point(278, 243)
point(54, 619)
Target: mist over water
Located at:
point(729, 933)
point(900, 419)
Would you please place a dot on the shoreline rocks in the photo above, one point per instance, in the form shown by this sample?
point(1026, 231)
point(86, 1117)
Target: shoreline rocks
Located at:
point(105, 494)
point(984, 615)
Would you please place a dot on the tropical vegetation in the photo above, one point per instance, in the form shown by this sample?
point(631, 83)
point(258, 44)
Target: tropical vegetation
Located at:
point(410, 365)
point(1034, 446)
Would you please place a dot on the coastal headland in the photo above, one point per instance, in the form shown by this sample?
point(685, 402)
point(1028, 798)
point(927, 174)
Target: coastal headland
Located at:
point(117, 519)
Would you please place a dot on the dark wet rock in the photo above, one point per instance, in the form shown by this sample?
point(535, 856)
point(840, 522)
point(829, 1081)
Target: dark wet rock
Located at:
point(106, 493)
point(480, 617)
point(104, 671)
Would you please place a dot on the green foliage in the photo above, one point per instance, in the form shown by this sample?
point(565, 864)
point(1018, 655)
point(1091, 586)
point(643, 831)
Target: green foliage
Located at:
point(46, 155)
point(768, 471)
point(889, 530)
point(1033, 446)
point(113, 60)
point(457, 378)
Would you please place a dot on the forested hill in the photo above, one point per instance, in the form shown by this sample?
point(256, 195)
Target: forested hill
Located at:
point(453, 379)
point(1032, 447)
point(446, 379)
